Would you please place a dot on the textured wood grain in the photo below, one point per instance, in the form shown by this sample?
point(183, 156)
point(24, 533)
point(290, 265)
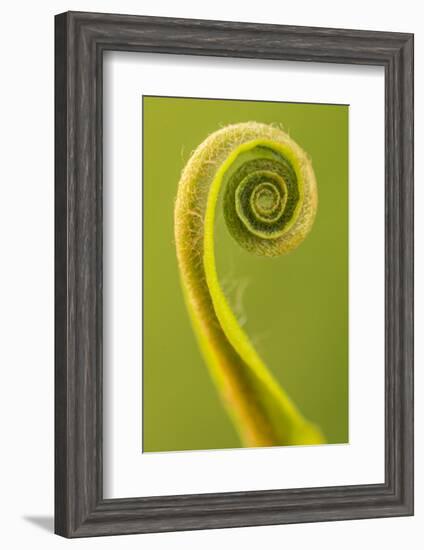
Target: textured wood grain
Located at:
point(80, 509)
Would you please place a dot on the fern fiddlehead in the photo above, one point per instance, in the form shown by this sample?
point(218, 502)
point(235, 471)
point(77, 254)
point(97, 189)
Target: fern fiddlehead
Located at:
point(270, 201)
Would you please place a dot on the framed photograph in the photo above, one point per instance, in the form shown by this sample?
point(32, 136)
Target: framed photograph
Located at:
point(234, 274)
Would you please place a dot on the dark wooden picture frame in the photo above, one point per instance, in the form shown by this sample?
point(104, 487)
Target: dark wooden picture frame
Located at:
point(80, 40)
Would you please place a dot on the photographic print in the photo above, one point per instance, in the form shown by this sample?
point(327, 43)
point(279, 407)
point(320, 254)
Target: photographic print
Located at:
point(245, 274)
point(233, 345)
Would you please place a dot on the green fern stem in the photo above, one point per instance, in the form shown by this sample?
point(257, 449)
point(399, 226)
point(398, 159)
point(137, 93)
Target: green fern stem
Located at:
point(269, 201)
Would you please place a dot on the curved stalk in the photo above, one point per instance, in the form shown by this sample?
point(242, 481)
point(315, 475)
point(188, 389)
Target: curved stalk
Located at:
point(270, 201)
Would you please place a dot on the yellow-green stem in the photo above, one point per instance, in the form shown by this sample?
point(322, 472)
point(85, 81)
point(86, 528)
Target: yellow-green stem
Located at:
point(270, 201)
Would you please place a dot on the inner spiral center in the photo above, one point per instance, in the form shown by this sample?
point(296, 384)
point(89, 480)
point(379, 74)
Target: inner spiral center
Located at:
point(266, 198)
point(261, 196)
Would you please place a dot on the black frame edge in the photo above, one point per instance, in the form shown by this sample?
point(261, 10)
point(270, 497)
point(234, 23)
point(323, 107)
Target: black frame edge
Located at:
point(61, 267)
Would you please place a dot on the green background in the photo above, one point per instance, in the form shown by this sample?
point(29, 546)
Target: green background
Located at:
point(295, 307)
